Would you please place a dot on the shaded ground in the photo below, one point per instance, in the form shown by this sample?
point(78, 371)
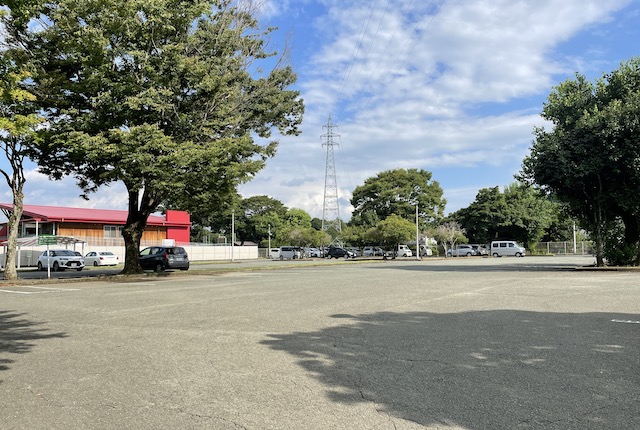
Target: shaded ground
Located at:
point(480, 370)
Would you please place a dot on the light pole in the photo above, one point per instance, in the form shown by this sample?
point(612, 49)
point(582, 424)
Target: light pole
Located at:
point(417, 235)
point(233, 231)
point(269, 250)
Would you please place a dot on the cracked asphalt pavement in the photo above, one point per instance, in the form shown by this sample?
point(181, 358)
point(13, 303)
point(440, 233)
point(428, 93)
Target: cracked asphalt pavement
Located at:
point(464, 343)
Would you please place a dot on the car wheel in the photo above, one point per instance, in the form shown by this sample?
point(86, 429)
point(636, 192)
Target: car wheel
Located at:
point(468, 254)
point(56, 266)
point(159, 268)
point(95, 264)
point(449, 254)
point(281, 257)
point(518, 254)
point(40, 266)
point(495, 254)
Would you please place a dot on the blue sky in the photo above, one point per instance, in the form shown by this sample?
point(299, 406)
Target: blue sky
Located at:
point(454, 87)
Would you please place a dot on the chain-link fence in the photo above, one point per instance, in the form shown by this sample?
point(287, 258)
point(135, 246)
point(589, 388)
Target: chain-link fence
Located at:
point(564, 248)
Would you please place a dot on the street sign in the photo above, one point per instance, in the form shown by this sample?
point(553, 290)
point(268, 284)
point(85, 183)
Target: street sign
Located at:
point(47, 239)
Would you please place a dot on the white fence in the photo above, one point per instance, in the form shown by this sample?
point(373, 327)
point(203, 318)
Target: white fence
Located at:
point(564, 248)
point(28, 255)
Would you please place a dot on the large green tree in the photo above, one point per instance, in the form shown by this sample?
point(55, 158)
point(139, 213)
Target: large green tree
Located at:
point(392, 231)
point(166, 96)
point(589, 159)
point(520, 213)
point(257, 215)
point(396, 192)
point(18, 126)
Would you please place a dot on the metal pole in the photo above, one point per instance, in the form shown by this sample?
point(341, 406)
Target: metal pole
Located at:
point(48, 262)
point(233, 231)
point(269, 250)
point(417, 235)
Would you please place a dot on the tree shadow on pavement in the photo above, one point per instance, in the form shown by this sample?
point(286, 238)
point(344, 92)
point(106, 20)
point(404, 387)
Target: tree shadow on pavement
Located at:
point(480, 265)
point(18, 335)
point(502, 369)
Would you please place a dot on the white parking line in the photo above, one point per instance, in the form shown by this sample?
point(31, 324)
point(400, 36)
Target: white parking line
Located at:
point(626, 321)
point(19, 292)
point(45, 290)
point(49, 288)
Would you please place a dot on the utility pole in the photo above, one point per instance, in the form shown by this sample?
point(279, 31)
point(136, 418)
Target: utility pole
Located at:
point(330, 207)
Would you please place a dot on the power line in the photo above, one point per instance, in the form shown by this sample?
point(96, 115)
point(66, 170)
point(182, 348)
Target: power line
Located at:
point(410, 42)
point(356, 49)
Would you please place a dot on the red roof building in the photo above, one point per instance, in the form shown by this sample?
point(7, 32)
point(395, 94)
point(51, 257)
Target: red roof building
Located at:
point(88, 224)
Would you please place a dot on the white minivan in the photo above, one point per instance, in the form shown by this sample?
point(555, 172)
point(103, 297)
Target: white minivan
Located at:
point(506, 247)
point(289, 252)
point(404, 251)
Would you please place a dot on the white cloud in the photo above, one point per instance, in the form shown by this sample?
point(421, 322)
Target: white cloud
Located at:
point(430, 91)
point(459, 89)
point(40, 190)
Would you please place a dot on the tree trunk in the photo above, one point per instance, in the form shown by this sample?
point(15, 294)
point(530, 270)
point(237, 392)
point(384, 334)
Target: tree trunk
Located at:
point(632, 234)
point(13, 227)
point(600, 236)
point(133, 230)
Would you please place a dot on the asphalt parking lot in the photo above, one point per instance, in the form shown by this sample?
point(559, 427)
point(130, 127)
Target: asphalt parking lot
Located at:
point(506, 343)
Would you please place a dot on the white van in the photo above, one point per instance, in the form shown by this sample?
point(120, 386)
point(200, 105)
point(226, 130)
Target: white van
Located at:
point(404, 251)
point(506, 247)
point(289, 252)
point(274, 253)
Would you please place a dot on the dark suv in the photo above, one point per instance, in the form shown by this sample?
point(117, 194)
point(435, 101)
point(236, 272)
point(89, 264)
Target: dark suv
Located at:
point(335, 252)
point(159, 258)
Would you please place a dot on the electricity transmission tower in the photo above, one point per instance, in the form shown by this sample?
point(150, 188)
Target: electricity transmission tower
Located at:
point(330, 207)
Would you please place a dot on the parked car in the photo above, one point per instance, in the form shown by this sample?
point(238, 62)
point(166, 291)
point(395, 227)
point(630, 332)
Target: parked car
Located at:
point(290, 252)
point(101, 258)
point(507, 247)
point(404, 251)
point(159, 258)
point(274, 253)
point(480, 249)
point(461, 251)
point(355, 251)
point(312, 252)
point(425, 251)
point(337, 252)
point(371, 251)
point(60, 259)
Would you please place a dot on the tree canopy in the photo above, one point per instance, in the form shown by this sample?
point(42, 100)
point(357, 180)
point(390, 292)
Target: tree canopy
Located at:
point(396, 192)
point(257, 215)
point(166, 96)
point(589, 159)
point(520, 213)
point(18, 132)
point(391, 231)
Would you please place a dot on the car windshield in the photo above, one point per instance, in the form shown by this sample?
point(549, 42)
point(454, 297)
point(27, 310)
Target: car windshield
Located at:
point(66, 253)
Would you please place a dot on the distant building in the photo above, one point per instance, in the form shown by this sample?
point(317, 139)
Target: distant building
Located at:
point(96, 225)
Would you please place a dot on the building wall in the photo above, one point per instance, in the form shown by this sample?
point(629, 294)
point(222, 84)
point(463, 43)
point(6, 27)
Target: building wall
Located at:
point(96, 231)
point(180, 234)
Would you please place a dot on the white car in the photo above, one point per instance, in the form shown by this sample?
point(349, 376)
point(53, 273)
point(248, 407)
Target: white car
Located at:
point(60, 259)
point(370, 251)
point(461, 251)
point(101, 258)
point(312, 252)
point(404, 251)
